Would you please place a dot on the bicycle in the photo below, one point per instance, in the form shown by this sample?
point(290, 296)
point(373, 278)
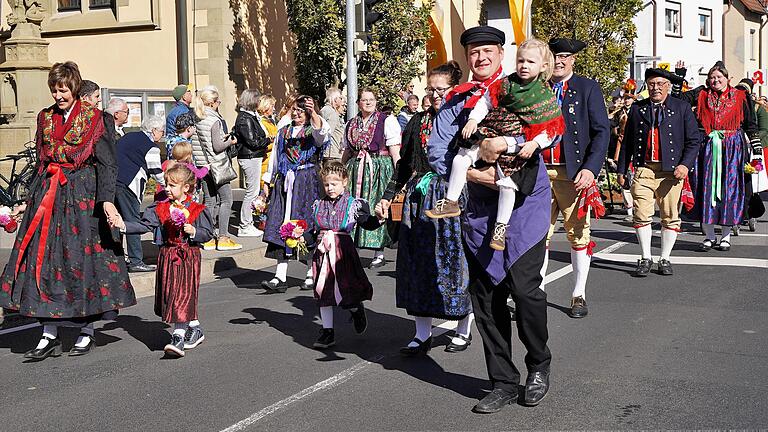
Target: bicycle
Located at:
point(16, 187)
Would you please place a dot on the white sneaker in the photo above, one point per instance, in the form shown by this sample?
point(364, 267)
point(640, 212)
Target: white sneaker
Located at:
point(249, 231)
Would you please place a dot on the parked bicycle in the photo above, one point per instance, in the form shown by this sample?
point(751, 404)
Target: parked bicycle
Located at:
point(15, 188)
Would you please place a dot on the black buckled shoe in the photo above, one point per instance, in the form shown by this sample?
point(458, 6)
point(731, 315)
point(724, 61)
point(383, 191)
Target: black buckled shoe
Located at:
point(643, 267)
point(706, 245)
point(536, 387)
point(578, 308)
point(326, 339)
point(665, 267)
point(724, 246)
point(422, 348)
point(377, 262)
point(359, 320)
point(495, 401)
point(307, 285)
point(454, 348)
point(275, 286)
point(78, 351)
point(51, 349)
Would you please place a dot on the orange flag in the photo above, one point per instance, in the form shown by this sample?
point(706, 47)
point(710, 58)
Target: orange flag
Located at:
point(518, 12)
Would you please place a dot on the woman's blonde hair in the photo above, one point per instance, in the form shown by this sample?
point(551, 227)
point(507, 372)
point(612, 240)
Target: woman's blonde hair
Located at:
point(546, 55)
point(206, 97)
point(266, 102)
point(182, 152)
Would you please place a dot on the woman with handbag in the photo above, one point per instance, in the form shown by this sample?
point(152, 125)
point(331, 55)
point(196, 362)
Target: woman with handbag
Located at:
point(211, 147)
point(432, 273)
point(295, 185)
point(253, 141)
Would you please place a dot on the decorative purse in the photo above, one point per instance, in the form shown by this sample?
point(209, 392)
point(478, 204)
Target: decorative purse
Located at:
point(396, 207)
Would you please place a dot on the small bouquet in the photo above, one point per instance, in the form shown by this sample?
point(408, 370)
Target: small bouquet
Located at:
point(7, 221)
point(292, 233)
point(754, 167)
point(179, 214)
point(259, 208)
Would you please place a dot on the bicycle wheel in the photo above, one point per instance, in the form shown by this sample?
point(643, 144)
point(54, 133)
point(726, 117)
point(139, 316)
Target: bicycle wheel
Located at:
point(20, 189)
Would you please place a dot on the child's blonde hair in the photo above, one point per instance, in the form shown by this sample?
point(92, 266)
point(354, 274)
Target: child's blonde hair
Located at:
point(181, 173)
point(182, 152)
point(546, 55)
point(334, 167)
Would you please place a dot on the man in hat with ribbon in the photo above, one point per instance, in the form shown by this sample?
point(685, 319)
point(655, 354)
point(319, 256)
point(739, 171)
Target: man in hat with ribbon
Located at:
point(494, 275)
point(662, 143)
point(575, 160)
point(182, 93)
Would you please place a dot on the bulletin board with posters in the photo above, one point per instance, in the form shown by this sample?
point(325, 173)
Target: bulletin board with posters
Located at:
point(141, 103)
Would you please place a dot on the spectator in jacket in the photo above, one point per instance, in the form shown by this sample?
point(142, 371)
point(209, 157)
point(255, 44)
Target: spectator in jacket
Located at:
point(411, 107)
point(138, 157)
point(333, 113)
point(182, 93)
point(90, 93)
point(253, 141)
point(266, 110)
point(118, 109)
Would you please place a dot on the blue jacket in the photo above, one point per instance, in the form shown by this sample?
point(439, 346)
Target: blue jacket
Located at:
point(170, 120)
point(587, 128)
point(679, 137)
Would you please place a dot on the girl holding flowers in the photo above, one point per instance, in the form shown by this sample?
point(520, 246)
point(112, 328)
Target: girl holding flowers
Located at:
point(184, 225)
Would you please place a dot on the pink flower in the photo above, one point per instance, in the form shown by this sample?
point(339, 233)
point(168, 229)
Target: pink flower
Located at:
point(178, 217)
point(286, 230)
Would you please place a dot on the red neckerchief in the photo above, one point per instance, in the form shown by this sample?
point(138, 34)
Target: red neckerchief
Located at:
point(478, 89)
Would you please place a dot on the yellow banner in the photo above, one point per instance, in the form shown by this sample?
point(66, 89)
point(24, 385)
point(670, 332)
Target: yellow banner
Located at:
point(519, 16)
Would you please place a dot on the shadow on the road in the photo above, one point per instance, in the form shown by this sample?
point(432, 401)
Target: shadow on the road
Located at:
point(303, 329)
point(622, 267)
point(562, 309)
point(152, 334)
point(251, 280)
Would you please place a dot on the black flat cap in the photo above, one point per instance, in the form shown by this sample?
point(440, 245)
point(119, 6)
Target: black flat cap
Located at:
point(658, 72)
point(560, 45)
point(482, 34)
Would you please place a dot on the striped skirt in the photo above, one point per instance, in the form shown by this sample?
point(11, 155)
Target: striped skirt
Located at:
point(177, 283)
point(368, 179)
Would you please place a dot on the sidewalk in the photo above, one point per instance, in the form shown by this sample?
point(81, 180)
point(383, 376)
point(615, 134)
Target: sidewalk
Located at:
point(213, 264)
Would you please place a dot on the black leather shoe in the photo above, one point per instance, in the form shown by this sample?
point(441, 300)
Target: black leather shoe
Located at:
point(454, 348)
point(495, 401)
point(141, 268)
point(77, 351)
point(724, 246)
point(706, 245)
point(536, 387)
point(307, 285)
point(52, 349)
point(377, 262)
point(665, 267)
point(422, 349)
point(275, 286)
point(643, 267)
point(578, 308)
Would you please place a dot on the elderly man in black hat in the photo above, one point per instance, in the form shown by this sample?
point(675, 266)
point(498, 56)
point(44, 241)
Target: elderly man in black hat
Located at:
point(574, 162)
point(662, 142)
point(494, 275)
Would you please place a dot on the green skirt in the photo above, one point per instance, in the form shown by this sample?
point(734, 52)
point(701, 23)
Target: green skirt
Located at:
point(370, 186)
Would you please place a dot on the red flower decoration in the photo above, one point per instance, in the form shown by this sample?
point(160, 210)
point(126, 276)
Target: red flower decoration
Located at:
point(59, 276)
point(6, 287)
point(70, 297)
point(75, 230)
point(83, 205)
point(97, 248)
point(104, 291)
point(90, 295)
point(77, 274)
point(302, 223)
point(114, 267)
point(44, 297)
point(87, 250)
point(91, 204)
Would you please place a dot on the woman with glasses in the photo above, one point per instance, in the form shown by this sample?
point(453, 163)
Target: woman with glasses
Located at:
point(432, 272)
point(292, 174)
point(371, 148)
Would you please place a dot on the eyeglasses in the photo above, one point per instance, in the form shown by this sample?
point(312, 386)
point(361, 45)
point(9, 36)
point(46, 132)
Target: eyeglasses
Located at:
point(298, 110)
point(562, 56)
point(439, 90)
point(122, 111)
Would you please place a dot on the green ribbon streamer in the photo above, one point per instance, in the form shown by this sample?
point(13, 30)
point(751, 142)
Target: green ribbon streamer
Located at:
point(717, 166)
point(423, 185)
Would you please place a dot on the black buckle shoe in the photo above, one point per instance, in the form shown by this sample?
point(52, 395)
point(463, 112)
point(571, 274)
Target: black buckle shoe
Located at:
point(307, 285)
point(275, 286)
point(454, 348)
point(724, 246)
point(578, 308)
point(495, 401)
point(78, 351)
point(359, 320)
point(706, 245)
point(377, 262)
point(665, 267)
point(536, 387)
point(422, 348)
point(326, 339)
point(643, 267)
point(51, 349)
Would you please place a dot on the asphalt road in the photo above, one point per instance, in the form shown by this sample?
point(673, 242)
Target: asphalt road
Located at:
point(682, 352)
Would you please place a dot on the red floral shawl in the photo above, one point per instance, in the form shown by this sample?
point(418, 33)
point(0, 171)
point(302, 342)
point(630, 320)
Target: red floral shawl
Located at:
point(72, 141)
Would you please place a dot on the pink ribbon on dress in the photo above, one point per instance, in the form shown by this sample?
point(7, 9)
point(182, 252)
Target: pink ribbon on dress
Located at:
point(363, 159)
point(327, 247)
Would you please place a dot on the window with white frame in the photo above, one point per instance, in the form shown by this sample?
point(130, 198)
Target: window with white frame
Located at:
point(705, 24)
point(672, 13)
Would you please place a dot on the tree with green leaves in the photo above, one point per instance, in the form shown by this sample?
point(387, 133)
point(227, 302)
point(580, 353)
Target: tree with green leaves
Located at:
point(605, 25)
point(394, 57)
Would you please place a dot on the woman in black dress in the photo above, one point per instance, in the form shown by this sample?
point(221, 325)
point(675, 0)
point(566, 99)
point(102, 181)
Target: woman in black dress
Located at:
point(67, 267)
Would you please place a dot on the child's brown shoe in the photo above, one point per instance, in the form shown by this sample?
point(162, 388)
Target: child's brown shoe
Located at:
point(499, 240)
point(444, 208)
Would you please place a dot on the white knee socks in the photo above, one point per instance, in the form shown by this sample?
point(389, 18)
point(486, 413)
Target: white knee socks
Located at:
point(668, 238)
point(644, 234)
point(423, 330)
point(463, 328)
point(326, 315)
point(580, 261)
point(281, 271)
point(506, 204)
point(458, 179)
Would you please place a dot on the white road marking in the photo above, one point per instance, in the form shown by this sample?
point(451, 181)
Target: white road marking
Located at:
point(322, 385)
point(709, 261)
point(19, 328)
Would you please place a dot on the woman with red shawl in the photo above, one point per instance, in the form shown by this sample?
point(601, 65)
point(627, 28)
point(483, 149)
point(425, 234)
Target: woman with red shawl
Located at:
point(67, 267)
